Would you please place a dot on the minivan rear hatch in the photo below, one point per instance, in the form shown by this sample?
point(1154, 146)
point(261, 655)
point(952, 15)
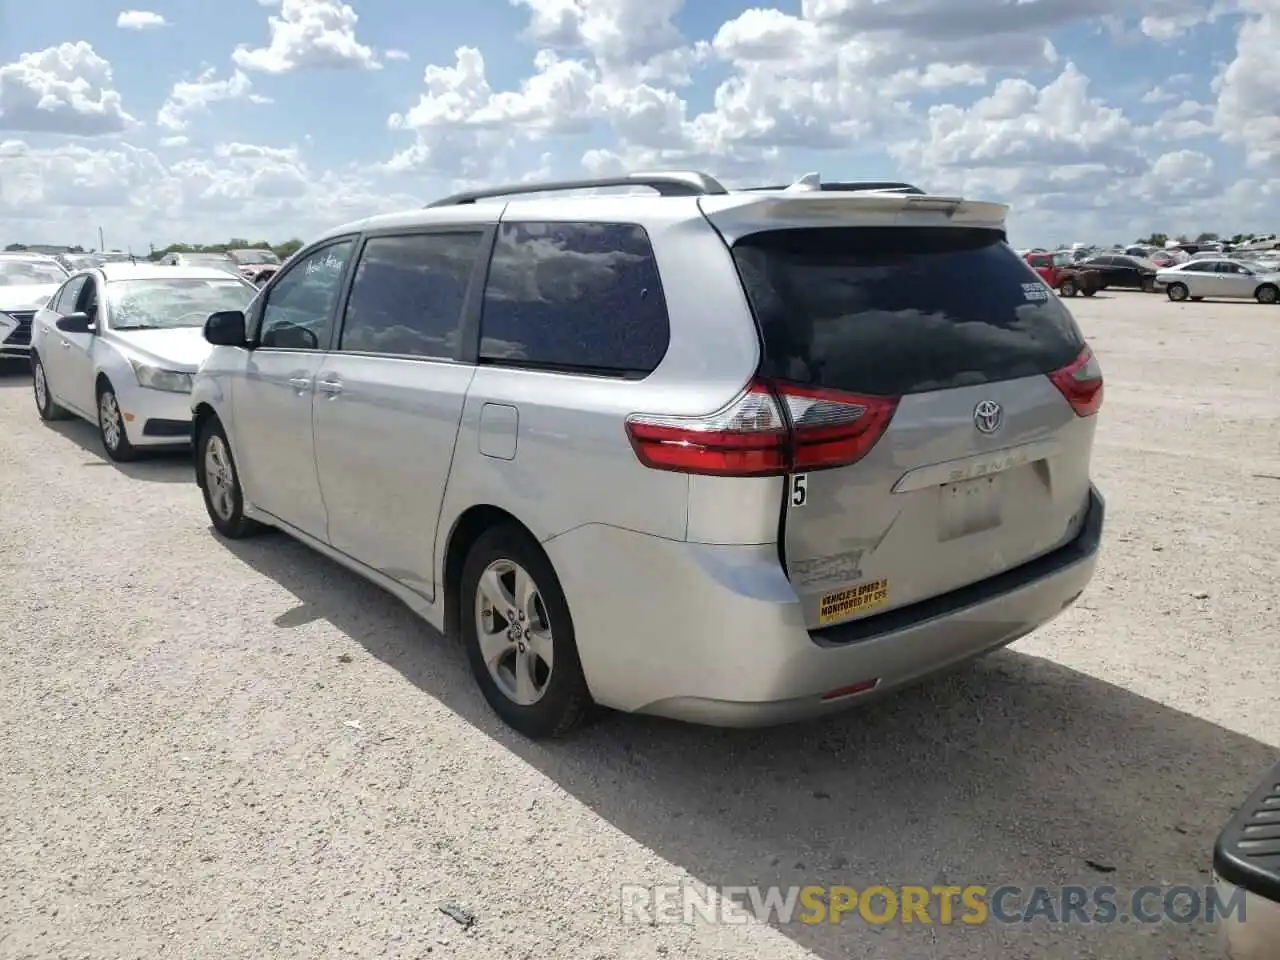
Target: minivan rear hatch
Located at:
point(973, 380)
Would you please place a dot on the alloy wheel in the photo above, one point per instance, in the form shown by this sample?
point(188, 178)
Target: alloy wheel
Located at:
point(514, 632)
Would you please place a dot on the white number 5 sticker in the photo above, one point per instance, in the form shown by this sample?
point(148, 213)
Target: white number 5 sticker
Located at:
point(799, 489)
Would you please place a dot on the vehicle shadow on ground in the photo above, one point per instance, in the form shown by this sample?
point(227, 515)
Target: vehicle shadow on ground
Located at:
point(153, 466)
point(1014, 770)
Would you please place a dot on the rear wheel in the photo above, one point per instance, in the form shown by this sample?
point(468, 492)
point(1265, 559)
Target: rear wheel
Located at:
point(1148, 284)
point(519, 635)
point(1268, 293)
point(1177, 292)
point(1088, 291)
point(47, 407)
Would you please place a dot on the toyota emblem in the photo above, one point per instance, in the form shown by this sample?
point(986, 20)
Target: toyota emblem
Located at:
point(988, 416)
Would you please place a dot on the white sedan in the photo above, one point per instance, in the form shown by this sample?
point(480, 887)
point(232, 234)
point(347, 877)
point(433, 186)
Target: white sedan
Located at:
point(118, 345)
point(1221, 278)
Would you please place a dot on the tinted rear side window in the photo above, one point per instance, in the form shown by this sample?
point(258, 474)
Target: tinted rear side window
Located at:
point(892, 311)
point(408, 294)
point(574, 296)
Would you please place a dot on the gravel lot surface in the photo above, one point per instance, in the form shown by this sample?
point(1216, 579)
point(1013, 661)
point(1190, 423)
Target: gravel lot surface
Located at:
point(213, 750)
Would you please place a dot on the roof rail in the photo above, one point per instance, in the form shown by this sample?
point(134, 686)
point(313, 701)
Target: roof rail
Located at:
point(671, 183)
point(855, 186)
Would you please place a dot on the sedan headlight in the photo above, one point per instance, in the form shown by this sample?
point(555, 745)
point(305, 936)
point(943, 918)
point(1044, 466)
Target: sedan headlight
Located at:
point(156, 378)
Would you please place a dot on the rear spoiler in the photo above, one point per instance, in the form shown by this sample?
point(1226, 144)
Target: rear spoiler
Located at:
point(736, 215)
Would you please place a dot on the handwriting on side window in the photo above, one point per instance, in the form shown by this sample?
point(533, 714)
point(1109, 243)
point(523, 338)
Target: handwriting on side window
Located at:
point(328, 264)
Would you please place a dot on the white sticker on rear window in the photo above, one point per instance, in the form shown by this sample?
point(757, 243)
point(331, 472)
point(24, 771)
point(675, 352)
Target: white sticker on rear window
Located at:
point(1035, 291)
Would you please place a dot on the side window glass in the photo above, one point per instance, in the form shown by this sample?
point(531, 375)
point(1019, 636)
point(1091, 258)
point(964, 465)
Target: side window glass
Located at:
point(88, 302)
point(408, 293)
point(574, 296)
point(298, 313)
point(67, 297)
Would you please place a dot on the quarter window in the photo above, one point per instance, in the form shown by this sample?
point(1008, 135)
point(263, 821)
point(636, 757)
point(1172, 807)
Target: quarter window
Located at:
point(408, 294)
point(574, 296)
point(299, 309)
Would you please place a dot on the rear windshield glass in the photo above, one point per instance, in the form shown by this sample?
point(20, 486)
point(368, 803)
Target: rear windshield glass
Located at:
point(891, 311)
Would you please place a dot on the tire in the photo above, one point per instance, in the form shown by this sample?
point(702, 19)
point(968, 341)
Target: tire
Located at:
point(1177, 292)
point(1067, 288)
point(1148, 285)
point(1267, 293)
point(46, 406)
point(223, 496)
point(115, 441)
point(1088, 291)
point(539, 698)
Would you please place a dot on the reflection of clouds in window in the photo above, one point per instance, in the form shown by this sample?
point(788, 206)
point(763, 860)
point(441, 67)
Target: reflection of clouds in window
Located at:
point(409, 292)
point(503, 349)
point(545, 269)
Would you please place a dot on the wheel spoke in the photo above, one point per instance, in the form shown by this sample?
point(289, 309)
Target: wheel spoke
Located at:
point(526, 690)
point(526, 592)
point(495, 591)
point(493, 647)
point(540, 646)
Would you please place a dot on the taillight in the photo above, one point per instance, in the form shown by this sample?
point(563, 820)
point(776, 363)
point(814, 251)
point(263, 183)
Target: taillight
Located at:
point(1080, 382)
point(756, 436)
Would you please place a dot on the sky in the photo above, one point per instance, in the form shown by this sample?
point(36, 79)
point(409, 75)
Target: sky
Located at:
point(198, 121)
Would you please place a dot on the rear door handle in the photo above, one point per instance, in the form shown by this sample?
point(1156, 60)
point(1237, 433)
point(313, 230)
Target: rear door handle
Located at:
point(301, 384)
point(331, 387)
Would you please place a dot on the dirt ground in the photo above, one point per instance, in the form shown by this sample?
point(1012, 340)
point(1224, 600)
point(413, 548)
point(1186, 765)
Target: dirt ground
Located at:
point(213, 750)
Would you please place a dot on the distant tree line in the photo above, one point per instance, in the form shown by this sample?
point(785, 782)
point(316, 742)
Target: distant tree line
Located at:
point(282, 250)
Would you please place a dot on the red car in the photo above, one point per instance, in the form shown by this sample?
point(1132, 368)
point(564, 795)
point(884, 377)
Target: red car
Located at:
point(1061, 273)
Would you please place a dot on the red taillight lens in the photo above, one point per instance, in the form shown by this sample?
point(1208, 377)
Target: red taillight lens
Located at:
point(751, 437)
point(1081, 383)
point(832, 429)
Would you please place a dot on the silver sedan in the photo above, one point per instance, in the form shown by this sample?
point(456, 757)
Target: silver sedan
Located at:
point(1220, 279)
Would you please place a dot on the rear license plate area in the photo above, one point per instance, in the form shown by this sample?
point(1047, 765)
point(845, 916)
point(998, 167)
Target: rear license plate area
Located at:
point(970, 506)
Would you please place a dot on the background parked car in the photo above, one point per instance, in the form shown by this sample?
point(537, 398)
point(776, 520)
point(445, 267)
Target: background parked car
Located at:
point(27, 281)
point(1220, 279)
point(1125, 272)
point(217, 261)
point(118, 346)
point(1062, 274)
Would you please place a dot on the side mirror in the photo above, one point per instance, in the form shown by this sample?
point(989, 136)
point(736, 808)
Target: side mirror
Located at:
point(75, 323)
point(226, 328)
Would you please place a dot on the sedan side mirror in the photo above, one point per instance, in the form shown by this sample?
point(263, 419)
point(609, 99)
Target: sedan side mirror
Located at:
point(75, 323)
point(226, 328)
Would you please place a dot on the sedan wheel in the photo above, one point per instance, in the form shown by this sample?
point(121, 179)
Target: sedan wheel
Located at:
point(111, 426)
point(1177, 292)
point(45, 404)
point(1268, 294)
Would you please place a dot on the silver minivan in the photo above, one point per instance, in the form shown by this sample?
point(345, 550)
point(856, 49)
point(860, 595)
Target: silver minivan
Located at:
point(736, 457)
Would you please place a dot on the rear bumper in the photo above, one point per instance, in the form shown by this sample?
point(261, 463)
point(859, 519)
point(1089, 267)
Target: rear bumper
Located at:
point(716, 635)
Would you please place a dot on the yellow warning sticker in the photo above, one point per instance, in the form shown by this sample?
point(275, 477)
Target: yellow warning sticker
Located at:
point(859, 599)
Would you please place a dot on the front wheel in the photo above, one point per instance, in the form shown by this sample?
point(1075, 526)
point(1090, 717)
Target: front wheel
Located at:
point(1267, 293)
point(46, 406)
point(1177, 292)
point(219, 481)
point(1067, 288)
point(115, 441)
point(519, 635)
